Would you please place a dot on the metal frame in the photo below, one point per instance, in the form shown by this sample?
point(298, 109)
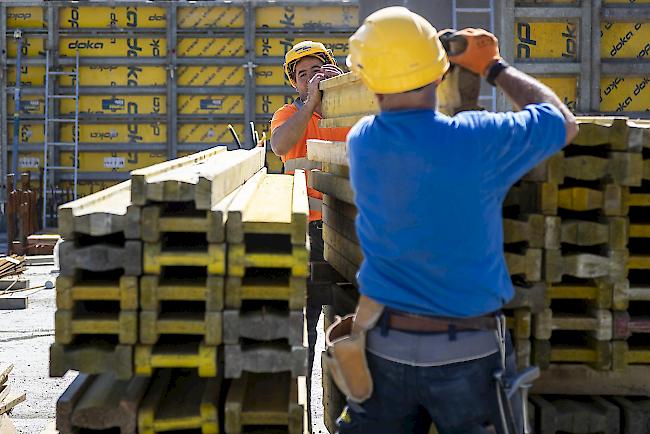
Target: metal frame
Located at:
point(589, 66)
point(171, 61)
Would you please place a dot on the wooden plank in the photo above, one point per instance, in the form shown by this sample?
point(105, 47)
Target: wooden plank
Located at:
point(346, 99)
point(266, 324)
point(341, 264)
point(629, 353)
point(205, 183)
point(293, 290)
point(68, 400)
point(154, 290)
point(532, 298)
point(12, 400)
point(596, 322)
point(101, 257)
point(563, 414)
point(8, 427)
point(340, 223)
point(153, 324)
point(528, 228)
point(574, 379)
point(239, 259)
point(611, 233)
point(4, 391)
point(341, 244)
point(70, 289)
point(179, 400)
point(106, 212)
point(618, 134)
point(326, 151)
point(262, 400)
point(586, 266)
point(155, 258)
point(185, 354)
point(264, 358)
point(237, 208)
point(13, 283)
point(69, 325)
point(597, 354)
point(519, 322)
point(333, 185)
point(596, 293)
point(5, 370)
point(527, 264)
point(141, 177)
point(92, 358)
point(635, 413)
point(299, 208)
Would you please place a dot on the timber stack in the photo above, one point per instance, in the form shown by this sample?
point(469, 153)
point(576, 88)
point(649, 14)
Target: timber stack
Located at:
point(576, 240)
point(181, 293)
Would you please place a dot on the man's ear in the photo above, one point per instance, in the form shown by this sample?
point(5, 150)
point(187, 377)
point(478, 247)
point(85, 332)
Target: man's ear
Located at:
point(380, 97)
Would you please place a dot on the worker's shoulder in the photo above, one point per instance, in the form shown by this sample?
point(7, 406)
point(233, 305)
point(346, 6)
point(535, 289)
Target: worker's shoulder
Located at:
point(361, 126)
point(285, 111)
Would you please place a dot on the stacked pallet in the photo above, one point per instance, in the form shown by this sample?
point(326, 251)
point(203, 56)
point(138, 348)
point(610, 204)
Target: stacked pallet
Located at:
point(142, 291)
point(576, 235)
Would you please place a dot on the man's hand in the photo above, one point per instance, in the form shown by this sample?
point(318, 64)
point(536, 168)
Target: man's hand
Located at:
point(313, 92)
point(481, 52)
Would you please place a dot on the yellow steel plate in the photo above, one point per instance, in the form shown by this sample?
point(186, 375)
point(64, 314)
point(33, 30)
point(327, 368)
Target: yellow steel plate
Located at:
point(210, 17)
point(211, 47)
point(113, 47)
point(117, 104)
point(625, 40)
point(546, 40)
point(621, 94)
point(141, 17)
point(28, 132)
point(30, 75)
point(29, 104)
point(566, 87)
point(117, 133)
point(112, 161)
point(211, 76)
point(280, 46)
point(208, 133)
point(32, 47)
point(271, 76)
point(117, 76)
point(211, 104)
point(268, 104)
point(307, 16)
point(25, 18)
point(84, 188)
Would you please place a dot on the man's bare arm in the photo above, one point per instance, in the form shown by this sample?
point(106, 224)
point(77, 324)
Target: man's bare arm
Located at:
point(287, 134)
point(522, 89)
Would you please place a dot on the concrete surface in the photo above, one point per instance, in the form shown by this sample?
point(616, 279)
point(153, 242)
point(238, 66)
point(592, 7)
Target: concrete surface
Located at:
point(25, 338)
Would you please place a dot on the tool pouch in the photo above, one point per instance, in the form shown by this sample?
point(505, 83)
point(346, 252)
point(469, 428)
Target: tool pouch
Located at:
point(345, 356)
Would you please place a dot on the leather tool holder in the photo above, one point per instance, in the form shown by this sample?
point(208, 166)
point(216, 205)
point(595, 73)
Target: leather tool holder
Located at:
point(345, 354)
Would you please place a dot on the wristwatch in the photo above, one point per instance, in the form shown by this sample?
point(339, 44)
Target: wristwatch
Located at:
point(494, 71)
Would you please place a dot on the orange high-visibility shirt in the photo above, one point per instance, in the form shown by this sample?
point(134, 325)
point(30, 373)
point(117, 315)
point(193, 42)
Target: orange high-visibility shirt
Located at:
point(299, 150)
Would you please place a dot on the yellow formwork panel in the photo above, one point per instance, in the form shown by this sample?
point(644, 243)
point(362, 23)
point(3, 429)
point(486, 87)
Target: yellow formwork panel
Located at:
point(30, 75)
point(566, 87)
point(210, 17)
point(153, 132)
point(211, 47)
point(113, 47)
point(29, 104)
point(268, 104)
point(117, 104)
point(32, 47)
point(546, 40)
point(625, 40)
point(25, 18)
point(271, 76)
point(307, 16)
point(208, 133)
point(29, 161)
point(117, 76)
point(29, 133)
point(213, 104)
point(267, 46)
point(211, 76)
point(112, 161)
point(142, 17)
point(621, 94)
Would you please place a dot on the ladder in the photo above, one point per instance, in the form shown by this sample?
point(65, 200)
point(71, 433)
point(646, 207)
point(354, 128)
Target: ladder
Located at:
point(50, 148)
point(475, 13)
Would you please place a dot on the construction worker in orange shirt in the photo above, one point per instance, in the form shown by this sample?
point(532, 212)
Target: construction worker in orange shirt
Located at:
point(306, 65)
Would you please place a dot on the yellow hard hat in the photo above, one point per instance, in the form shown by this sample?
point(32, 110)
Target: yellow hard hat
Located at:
point(304, 49)
point(396, 50)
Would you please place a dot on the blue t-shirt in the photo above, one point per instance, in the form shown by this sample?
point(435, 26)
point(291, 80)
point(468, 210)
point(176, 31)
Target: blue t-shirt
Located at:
point(429, 191)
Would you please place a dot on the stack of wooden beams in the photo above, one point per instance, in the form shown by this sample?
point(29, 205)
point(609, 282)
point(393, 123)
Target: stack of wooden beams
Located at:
point(576, 232)
point(8, 400)
point(142, 292)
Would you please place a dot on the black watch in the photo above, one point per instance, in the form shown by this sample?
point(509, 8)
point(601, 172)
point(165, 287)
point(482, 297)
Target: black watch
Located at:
point(495, 70)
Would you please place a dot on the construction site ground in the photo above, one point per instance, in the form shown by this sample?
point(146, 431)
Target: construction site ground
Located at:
point(25, 339)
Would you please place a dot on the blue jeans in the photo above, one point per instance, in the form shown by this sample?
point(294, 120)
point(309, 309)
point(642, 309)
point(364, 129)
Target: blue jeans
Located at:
point(459, 398)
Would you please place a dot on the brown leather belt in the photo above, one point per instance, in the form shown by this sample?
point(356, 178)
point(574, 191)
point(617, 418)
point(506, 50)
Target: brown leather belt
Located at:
point(430, 324)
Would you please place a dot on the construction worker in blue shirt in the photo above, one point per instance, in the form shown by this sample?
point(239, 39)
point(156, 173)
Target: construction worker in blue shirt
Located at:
point(429, 190)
